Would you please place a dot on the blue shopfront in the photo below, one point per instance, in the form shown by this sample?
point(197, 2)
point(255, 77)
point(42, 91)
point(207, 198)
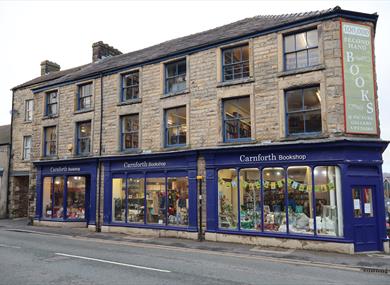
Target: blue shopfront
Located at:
point(152, 191)
point(330, 192)
point(66, 191)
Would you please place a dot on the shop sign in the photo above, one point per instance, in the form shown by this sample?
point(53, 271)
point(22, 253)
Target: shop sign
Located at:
point(144, 164)
point(272, 157)
point(64, 169)
point(359, 86)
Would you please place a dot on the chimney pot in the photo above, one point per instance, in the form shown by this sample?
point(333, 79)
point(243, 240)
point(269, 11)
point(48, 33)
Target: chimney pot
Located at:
point(101, 50)
point(48, 66)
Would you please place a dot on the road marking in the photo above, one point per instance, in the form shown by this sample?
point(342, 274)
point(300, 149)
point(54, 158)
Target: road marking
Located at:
point(9, 246)
point(113, 262)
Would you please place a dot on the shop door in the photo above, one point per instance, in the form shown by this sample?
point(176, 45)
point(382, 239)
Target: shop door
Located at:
point(364, 219)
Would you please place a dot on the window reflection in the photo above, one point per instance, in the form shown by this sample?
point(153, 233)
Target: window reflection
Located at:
point(136, 209)
point(156, 201)
point(119, 199)
point(47, 197)
point(250, 199)
point(227, 198)
point(76, 197)
point(178, 201)
point(58, 207)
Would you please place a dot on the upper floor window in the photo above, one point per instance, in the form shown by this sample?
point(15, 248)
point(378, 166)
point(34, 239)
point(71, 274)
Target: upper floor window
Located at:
point(237, 119)
point(175, 76)
point(51, 103)
point(130, 86)
point(84, 97)
point(84, 138)
point(26, 148)
point(28, 110)
point(175, 126)
point(301, 50)
point(129, 132)
point(50, 141)
point(235, 63)
point(303, 111)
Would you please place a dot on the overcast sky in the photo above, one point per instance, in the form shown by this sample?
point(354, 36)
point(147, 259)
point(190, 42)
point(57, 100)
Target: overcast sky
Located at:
point(33, 31)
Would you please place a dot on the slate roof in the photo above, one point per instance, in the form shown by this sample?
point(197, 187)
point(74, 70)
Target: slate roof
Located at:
point(5, 134)
point(230, 32)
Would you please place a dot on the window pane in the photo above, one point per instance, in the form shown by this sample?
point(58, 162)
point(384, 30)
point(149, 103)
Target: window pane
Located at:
point(245, 53)
point(237, 118)
point(85, 103)
point(136, 197)
point(296, 124)
point(274, 206)
point(289, 43)
point(176, 129)
point(367, 200)
point(327, 186)
point(228, 57)
point(302, 59)
point(312, 38)
point(313, 122)
point(156, 201)
point(181, 68)
point(131, 93)
point(182, 132)
point(227, 199)
point(356, 202)
point(76, 197)
point(250, 199)
point(47, 197)
point(236, 55)
point(245, 69)
point(170, 70)
point(228, 73)
point(52, 109)
point(178, 201)
point(311, 98)
point(245, 128)
point(300, 200)
point(58, 211)
point(291, 61)
point(300, 40)
point(314, 56)
point(118, 199)
point(130, 140)
point(294, 100)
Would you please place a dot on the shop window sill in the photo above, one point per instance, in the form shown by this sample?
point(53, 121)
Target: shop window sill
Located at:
point(173, 94)
point(305, 137)
point(83, 111)
point(130, 102)
point(301, 70)
point(235, 82)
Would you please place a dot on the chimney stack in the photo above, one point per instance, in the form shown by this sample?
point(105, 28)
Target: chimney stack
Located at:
point(48, 66)
point(101, 50)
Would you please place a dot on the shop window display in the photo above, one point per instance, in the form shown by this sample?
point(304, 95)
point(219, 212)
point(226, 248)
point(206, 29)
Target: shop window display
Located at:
point(119, 199)
point(250, 199)
point(156, 201)
point(47, 197)
point(178, 201)
point(76, 197)
point(136, 197)
point(300, 200)
point(274, 199)
point(327, 186)
point(227, 198)
point(58, 205)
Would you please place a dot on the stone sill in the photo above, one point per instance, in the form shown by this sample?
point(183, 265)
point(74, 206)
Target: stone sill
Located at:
point(131, 151)
point(83, 111)
point(301, 70)
point(27, 122)
point(169, 95)
point(251, 141)
point(49, 117)
point(130, 102)
point(305, 137)
point(235, 82)
point(172, 148)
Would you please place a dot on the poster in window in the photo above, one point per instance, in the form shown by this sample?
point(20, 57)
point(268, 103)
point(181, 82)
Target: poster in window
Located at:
point(358, 74)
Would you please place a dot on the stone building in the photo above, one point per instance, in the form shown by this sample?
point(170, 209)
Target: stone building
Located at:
point(277, 114)
point(5, 141)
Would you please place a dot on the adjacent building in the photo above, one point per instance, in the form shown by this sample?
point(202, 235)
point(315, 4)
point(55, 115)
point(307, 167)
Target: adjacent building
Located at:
point(5, 141)
point(278, 114)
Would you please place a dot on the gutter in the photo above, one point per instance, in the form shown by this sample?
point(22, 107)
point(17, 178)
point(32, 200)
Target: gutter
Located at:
point(9, 160)
point(334, 13)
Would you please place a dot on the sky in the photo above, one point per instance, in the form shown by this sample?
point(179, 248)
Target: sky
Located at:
point(63, 32)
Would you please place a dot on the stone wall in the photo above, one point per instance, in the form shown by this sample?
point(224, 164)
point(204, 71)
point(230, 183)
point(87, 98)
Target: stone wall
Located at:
point(4, 155)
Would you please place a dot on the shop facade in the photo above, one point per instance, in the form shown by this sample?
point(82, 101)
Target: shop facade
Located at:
point(66, 192)
point(329, 192)
point(151, 192)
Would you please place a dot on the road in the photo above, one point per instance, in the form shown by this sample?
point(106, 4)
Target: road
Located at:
point(34, 258)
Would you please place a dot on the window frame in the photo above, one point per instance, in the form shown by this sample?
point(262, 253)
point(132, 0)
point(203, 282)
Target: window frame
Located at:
point(27, 149)
point(132, 87)
point(296, 51)
point(302, 111)
point(241, 62)
point(79, 138)
point(166, 77)
point(81, 96)
point(122, 133)
point(28, 110)
point(166, 129)
point(224, 120)
point(48, 103)
point(46, 141)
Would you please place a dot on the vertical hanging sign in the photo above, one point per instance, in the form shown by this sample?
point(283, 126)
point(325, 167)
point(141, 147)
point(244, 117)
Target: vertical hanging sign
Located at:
point(358, 76)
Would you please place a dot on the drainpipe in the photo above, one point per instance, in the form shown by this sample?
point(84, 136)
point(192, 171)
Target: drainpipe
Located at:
point(9, 161)
point(98, 222)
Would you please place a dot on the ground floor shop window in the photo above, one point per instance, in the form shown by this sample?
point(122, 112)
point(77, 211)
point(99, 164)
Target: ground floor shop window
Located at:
point(288, 200)
point(54, 193)
point(154, 200)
